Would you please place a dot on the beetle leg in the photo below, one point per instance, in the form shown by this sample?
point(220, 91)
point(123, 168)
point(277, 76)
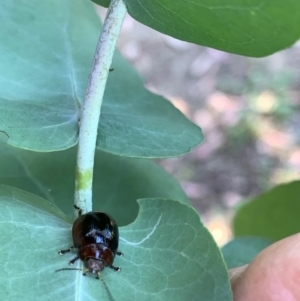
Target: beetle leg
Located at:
point(87, 270)
point(61, 252)
point(117, 269)
point(119, 253)
point(73, 260)
point(79, 210)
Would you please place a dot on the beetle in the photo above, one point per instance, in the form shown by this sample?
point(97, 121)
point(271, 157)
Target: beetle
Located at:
point(96, 237)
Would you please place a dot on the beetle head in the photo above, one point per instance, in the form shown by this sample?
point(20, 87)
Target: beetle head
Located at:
point(94, 265)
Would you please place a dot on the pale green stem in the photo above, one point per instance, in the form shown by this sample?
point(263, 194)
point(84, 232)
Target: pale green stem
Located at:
point(92, 104)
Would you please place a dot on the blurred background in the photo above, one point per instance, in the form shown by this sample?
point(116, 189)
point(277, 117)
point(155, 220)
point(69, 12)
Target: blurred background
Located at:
point(248, 109)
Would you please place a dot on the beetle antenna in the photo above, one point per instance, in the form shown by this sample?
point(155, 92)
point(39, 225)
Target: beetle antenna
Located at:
point(110, 296)
point(64, 269)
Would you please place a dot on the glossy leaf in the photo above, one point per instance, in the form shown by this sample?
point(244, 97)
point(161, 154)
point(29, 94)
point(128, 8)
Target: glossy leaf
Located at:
point(168, 255)
point(45, 60)
point(243, 250)
point(118, 181)
point(253, 27)
point(274, 214)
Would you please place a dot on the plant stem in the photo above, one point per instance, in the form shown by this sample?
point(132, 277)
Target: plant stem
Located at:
point(92, 104)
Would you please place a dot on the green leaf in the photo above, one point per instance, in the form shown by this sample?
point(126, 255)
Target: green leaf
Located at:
point(253, 27)
point(146, 125)
point(274, 214)
point(104, 3)
point(118, 181)
point(168, 255)
point(44, 65)
point(243, 250)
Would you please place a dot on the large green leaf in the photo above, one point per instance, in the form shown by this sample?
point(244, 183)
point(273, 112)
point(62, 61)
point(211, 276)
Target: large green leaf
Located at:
point(168, 255)
point(118, 181)
point(253, 27)
point(243, 250)
point(274, 214)
point(136, 123)
point(46, 52)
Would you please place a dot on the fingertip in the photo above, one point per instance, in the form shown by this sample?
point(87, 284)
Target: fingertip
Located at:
point(272, 276)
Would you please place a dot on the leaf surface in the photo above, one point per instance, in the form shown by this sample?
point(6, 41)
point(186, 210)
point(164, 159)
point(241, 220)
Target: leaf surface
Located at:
point(45, 60)
point(168, 255)
point(253, 27)
point(104, 3)
point(274, 214)
point(118, 181)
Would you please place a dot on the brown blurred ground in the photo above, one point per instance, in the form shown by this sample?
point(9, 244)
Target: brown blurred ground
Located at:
point(247, 108)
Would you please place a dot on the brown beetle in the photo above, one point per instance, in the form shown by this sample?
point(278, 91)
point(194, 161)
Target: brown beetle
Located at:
point(96, 236)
